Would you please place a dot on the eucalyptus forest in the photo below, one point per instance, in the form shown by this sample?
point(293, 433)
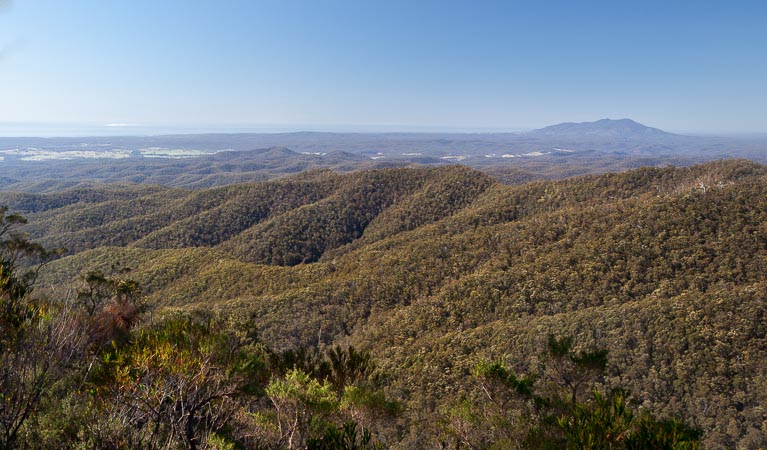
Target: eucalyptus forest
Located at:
point(406, 307)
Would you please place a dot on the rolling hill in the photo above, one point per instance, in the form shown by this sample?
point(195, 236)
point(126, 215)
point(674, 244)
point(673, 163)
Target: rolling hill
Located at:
point(435, 269)
point(201, 161)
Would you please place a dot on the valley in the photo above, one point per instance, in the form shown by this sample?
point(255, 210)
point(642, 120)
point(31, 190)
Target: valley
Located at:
point(433, 270)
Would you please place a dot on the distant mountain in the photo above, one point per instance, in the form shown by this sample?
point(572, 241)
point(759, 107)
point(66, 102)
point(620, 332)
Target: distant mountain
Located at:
point(206, 160)
point(604, 128)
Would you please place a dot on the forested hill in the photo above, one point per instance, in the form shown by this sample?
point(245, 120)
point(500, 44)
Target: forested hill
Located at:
point(433, 270)
point(283, 222)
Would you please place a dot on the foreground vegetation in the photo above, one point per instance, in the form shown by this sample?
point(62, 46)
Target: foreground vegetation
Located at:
point(87, 373)
point(456, 295)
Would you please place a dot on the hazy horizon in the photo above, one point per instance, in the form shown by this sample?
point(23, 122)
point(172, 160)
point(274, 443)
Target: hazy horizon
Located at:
point(400, 66)
point(68, 130)
point(94, 130)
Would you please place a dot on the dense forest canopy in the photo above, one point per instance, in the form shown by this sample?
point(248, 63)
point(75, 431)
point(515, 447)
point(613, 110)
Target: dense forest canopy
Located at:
point(461, 293)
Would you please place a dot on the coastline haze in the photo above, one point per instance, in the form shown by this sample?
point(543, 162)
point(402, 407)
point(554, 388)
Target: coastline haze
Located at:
point(425, 67)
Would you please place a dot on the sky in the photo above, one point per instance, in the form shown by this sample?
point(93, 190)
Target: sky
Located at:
point(129, 67)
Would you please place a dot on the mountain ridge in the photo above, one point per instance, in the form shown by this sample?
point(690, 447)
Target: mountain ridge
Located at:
point(620, 128)
point(205, 160)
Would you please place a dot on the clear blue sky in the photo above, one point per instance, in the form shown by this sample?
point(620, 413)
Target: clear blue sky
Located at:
point(472, 65)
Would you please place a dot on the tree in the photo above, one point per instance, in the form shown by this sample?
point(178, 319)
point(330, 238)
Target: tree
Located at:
point(173, 384)
point(499, 414)
point(343, 438)
point(327, 398)
point(603, 423)
point(607, 422)
point(347, 366)
point(299, 402)
point(573, 370)
point(514, 413)
point(38, 339)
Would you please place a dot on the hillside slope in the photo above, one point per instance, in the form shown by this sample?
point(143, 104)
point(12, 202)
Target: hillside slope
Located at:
point(433, 270)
